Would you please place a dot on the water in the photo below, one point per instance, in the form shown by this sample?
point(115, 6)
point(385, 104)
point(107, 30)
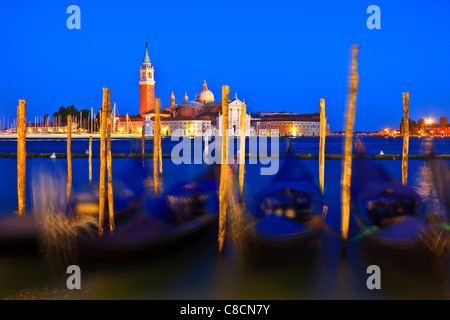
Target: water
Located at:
point(194, 271)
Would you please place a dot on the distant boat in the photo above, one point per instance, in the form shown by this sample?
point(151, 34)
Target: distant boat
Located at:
point(381, 153)
point(53, 156)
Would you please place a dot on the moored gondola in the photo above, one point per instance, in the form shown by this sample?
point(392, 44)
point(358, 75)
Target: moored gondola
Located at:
point(289, 212)
point(384, 209)
point(180, 213)
point(52, 212)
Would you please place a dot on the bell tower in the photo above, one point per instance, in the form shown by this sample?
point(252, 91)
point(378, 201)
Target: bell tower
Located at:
point(172, 100)
point(147, 85)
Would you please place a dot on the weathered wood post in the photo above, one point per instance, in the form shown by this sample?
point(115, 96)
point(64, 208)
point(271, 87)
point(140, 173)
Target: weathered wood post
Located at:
point(405, 137)
point(143, 145)
point(242, 159)
point(109, 165)
point(323, 132)
point(21, 158)
point(90, 159)
point(156, 133)
point(101, 184)
point(224, 168)
point(347, 164)
point(158, 102)
point(69, 155)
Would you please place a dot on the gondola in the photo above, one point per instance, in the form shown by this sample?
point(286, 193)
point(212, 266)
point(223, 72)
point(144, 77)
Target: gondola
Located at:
point(80, 212)
point(441, 177)
point(179, 214)
point(289, 212)
point(384, 209)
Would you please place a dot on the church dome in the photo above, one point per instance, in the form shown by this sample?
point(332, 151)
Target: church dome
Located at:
point(204, 95)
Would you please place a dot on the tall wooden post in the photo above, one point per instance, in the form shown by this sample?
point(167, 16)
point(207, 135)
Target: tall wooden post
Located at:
point(347, 165)
point(90, 159)
point(156, 133)
point(69, 155)
point(21, 158)
point(143, 145)
point(242, 159)
point(109, 165)
point(224, 168)
point(101, 184)
point(405, 137)
point(323, 132)
point(160, 157)
point(158, 103)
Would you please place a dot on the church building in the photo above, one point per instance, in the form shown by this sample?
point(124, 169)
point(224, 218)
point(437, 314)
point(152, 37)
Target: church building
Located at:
point(205, 108)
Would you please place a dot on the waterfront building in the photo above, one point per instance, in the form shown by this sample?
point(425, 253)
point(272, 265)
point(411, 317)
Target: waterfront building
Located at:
point(51, 127)
point(388, 133)
point(127, 124)
point(205, 108)
point(289, 124)
point(436, 129)
point(184, 126)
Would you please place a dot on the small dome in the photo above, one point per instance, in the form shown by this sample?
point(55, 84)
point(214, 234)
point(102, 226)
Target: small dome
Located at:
point(204, 95)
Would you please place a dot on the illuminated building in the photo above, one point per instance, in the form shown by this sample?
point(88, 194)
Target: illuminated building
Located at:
point(287, 124)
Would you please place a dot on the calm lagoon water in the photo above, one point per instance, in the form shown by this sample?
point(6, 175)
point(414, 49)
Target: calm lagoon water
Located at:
point(194, 271)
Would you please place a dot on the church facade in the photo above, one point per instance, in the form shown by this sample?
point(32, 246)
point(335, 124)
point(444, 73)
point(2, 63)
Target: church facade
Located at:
point(205, 108)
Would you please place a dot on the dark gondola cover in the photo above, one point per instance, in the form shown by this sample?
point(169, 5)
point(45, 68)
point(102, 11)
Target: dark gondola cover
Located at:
point(181, 212)
point(80, 211)
point(289, 211)
point(384, 208)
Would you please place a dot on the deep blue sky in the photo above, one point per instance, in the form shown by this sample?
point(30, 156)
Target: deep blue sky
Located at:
point(278, 55)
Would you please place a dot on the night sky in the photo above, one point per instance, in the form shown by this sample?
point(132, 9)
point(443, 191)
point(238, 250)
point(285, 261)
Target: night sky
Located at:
point(277, 55)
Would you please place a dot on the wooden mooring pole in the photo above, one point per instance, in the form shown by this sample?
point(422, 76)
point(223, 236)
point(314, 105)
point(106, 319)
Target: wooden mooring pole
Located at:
point(156, 133)
point(69, 155)
point(223, 189)
point(347, 164)
point(101, 184)
point(158, 102)
point(21, 158)
point(405, 137)
point(242, 159)
point(143, 145)
point(90, 159)
point(109, 165)
point(323, 132)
